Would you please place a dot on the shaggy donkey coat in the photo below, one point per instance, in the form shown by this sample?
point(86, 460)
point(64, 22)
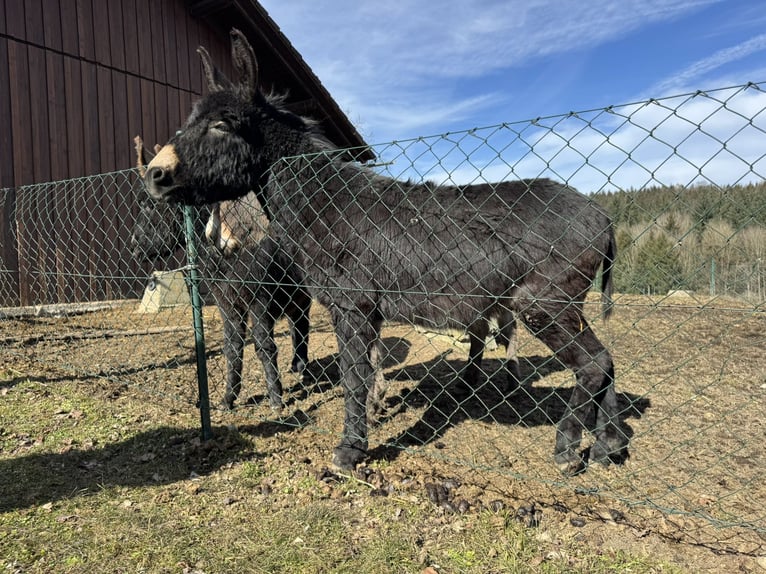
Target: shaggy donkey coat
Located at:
point(374, 248)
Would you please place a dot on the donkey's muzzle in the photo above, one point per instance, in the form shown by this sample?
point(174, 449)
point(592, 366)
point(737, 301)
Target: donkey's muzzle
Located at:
point(159, 178)
point(160, 173)
point(159, 182)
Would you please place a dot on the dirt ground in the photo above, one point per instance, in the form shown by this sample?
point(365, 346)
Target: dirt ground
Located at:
point(691, 380)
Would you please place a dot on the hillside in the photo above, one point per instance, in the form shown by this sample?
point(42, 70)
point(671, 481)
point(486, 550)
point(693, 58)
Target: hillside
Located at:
point(703, 238)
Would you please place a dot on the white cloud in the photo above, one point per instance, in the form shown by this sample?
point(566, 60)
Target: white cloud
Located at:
point(699, 71)
point(382, 62)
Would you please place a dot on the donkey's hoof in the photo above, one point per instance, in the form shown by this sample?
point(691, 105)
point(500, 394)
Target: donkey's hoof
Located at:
point(298, 365)
point(277, 405)
point(347, 457)
point(570, 463)
point(228, 403)
point(606, 455)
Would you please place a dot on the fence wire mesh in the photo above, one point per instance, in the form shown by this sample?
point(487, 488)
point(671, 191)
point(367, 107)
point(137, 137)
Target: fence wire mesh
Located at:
point(92, 286)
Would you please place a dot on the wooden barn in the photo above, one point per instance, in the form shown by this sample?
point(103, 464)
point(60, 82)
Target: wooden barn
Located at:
point(78, 80)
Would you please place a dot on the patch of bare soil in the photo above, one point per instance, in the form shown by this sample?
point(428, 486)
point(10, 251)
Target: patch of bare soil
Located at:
point(691, 381)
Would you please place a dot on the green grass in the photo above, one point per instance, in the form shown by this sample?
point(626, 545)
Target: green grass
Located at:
point(93, 483)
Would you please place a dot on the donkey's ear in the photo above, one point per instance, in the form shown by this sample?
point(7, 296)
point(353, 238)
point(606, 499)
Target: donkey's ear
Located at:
point(216, 81)
point(244, 62)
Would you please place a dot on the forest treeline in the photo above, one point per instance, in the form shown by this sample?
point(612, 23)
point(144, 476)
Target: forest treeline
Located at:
point(703, 238)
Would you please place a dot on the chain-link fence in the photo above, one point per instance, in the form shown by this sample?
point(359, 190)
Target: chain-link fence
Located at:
point(90, 264)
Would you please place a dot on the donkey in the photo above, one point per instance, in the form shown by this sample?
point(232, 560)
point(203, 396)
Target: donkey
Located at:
point(237, 227)
point(248, 276)
point(373, 248)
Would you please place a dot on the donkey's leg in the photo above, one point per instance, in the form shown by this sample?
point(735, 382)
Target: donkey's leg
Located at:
point(477, 335)
point(234, 331)
point(266, 348)
point(298, 313)
point(568, 335)
point(507, 337)
point(611, 439)
point(377, 393)
point(356, 335)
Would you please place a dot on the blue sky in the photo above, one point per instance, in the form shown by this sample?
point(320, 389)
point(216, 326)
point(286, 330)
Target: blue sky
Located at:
point(404, 69)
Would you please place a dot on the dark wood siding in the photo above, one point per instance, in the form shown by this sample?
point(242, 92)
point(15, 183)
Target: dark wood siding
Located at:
point(117, 50)
point(79, 79)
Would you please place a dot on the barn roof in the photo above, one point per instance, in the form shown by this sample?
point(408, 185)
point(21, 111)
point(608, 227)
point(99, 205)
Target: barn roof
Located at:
point(282, 66)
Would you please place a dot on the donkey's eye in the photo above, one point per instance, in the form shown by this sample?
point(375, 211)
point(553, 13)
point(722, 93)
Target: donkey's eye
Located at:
point(220, 127)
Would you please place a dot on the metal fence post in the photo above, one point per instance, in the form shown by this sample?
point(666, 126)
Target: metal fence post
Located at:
point(192, 279)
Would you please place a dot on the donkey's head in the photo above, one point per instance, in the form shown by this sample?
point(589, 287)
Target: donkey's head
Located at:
point(229, 141)
point(237, 224)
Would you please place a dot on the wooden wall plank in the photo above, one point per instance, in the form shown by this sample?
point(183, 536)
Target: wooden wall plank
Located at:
point(57, 116)
point(184, 106)
point(3, 29)
point(90, 119)
point(18, 72)
point(130, 35)
point(195, 67)
point(148, 130)
point(134, 117)
point(116, 34)
point(14, 20)
point(38, 98)
point(33, 20)
point(105, 121)
point(85, 31)
point(123, 152)
point(181, 48)
point(144, 38)
point(162, 131)
point(73, 95)
point(52, 25)
point(9, 278)
point(157, 42)
point(174, 117)
point(101, 42)
point(6, 135)
point(70, 41)
point(169, 45)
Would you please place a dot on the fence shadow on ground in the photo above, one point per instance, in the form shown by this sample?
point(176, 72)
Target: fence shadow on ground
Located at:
point(159, 456)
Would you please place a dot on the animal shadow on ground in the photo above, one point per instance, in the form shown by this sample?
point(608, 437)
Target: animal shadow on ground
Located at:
point(448, 401)
point(500, 399)
point(322, 375)
point(159, 456)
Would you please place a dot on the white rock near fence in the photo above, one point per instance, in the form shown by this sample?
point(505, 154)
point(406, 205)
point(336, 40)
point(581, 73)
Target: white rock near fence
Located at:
point(165, 289)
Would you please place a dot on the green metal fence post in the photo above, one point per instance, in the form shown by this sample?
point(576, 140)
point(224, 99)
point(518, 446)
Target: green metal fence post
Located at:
point(192, 279)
